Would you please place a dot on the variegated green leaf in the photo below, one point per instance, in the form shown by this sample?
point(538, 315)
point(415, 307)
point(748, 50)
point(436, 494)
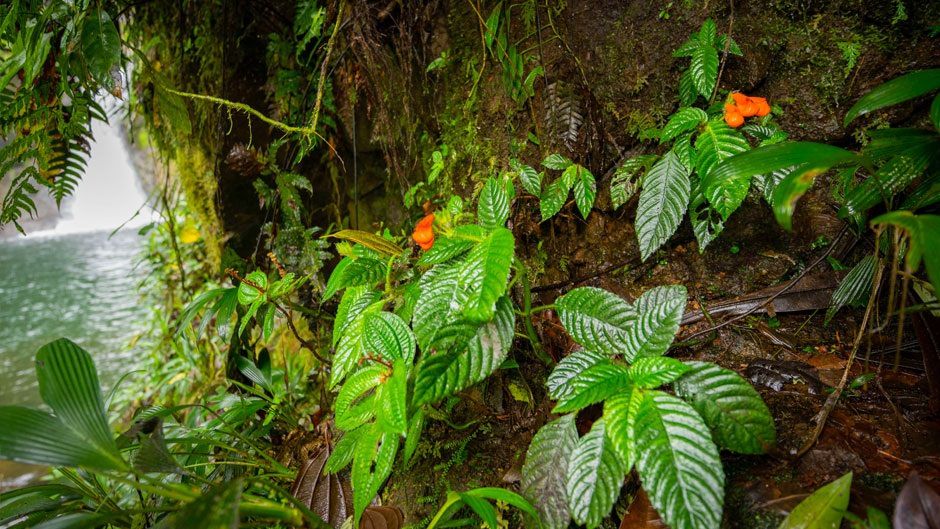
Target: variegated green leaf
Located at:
point(620, 413)
point(715, 143)
point(595, 475)
point(596, 319)
point(594, 384)
point(545, 472)
point(446, 373)
point(493, 207)
point(653, 371)
point(375, 453)
point(683, 120)
point(484, 273)
point(738, 418)
point(585, 190)
point(558, 382)
point(388, 336)
point(662, 205)
point(678, 463)
point(659, 311)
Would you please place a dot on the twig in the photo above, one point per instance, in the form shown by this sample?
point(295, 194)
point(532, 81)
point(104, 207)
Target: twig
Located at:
point(833, 398)
point(724, 58)
point(315, 118)
point(287, 315)
point(560, 284)
point(777, 294)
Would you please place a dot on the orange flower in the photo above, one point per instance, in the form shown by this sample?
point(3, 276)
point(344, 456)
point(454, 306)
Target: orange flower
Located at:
point(424, 232)
point(744, 107)
point(734, 119)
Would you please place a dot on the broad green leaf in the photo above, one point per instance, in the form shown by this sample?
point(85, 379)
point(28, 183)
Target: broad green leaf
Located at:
point(252, 288)
point(585, 190)
point(354, 302)
point(678, 463)
point(894, 176)
point(101, 46)
point(683, 120)
point(596, 319)
point(545, 472)
point(68, 383)
point(530, 178)
point(706, 222)
point(446, 373)
point(790, 190)
point(553, 198)
point(891, 142)
point(445, 249)
point(392, 400)
point(895, 91)
point(823, 509)
point(485, 273)
point(854, 288)
point(557, 162)
point(737, 416)
point(708, 33)
point(375, 453)
point(727, 184)
point(388, 336)
point(482, 508)
point(362, 271)
point(217, 508)
point(662, 205)
point(415, 427)
point(659, 311)
point(369, 240)
point(626, 180)
point(620, 413)
point(687, 91)
point(924, 232)
point(335, 283)
point(343, 451)
point(594, 384)
point(347, 408)
point(653, 371)
point(716, 143)
point(34, 436)
point(558, 383)
point(595, 475)
point(704, 67)
point(438, 307)
point(493, 208)
point(682, 146)
point(351, 346)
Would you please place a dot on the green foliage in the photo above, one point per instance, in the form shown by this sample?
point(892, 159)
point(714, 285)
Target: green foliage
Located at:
point(478, 500)
point(823, 508)
point(519, 83)
point(543, 479)
point(684, 179)
point(553, 197)
point(671, 439)
point(854, 288)
point(56, 58)
point(895, 91)
point(462, 326)
point(102, 479)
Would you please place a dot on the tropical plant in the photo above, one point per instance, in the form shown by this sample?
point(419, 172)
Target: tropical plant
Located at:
point(183, 479)
point(672, 439)
point(553, 197)
point(898, 171)
point(699, 140)
point(56, 57)
point(476, 500)
point(518, 83)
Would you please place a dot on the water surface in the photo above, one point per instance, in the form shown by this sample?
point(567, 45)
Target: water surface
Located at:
point(80, 286)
